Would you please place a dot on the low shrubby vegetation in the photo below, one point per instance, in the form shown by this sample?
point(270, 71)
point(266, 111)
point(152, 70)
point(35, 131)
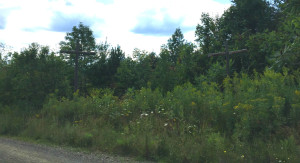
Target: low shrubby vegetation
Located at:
point(251, 119)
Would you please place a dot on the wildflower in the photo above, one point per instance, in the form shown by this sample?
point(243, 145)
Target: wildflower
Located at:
point(166, 124)
point(225, 151)
point(193, 103)
point(144, 114)
point(227, 103)
point(242, 156)
point(151, 112)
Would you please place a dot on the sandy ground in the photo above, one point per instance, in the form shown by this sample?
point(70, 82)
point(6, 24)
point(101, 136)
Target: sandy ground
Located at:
point(15, 151)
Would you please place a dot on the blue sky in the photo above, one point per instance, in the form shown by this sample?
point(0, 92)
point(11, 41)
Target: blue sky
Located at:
point(143, 24)
point(224, 1)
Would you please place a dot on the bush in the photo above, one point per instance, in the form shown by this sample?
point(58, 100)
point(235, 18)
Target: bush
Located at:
point(247, 119)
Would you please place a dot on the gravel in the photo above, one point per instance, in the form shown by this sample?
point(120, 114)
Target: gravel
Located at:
point(16, 151)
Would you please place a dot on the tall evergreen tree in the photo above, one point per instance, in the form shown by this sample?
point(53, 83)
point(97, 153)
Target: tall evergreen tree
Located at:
point(84, 38)
point(175, 43)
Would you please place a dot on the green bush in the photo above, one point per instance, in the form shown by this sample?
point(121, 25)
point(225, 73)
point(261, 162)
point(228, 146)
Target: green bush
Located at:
point(246, 119)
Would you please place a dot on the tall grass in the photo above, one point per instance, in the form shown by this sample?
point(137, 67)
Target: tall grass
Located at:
point(246, 119)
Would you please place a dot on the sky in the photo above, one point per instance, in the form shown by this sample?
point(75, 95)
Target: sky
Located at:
point(142, 24)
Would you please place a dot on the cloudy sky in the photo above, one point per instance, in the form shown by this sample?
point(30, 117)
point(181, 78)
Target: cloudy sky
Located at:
point(143, 24)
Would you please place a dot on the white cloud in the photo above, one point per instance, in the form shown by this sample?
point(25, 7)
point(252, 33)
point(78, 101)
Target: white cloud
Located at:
point(32, 20)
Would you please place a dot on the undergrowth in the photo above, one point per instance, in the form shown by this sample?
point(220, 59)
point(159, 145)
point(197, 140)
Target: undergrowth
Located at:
point(246, 119)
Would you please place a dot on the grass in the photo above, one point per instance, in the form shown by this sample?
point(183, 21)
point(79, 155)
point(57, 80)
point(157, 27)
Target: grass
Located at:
point(246, 120)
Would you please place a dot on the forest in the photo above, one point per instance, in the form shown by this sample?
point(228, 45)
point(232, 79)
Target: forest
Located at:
point(175, 106)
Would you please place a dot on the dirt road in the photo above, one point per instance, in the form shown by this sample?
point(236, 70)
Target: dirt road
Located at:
point(15, 151)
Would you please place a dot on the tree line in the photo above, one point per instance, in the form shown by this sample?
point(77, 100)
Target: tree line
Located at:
point(268, 29)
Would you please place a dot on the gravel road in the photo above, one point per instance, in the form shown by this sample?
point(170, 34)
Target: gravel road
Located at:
point(15, 151)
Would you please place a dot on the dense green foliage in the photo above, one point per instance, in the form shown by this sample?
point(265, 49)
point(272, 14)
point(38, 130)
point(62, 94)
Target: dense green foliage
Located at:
point(254, 119)
point(175, 106)
point(31, 76)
